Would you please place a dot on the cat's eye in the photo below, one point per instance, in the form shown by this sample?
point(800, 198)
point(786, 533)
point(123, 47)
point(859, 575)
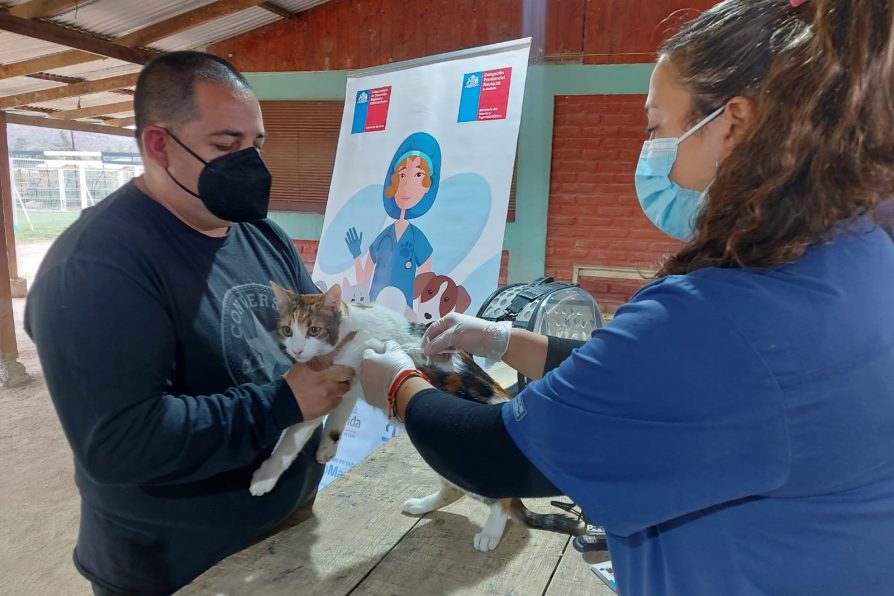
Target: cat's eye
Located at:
point(313, 331)
point(286, 331)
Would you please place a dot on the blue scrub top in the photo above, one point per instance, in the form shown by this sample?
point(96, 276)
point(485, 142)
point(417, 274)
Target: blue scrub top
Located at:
point(734, 430)
point(396, 260)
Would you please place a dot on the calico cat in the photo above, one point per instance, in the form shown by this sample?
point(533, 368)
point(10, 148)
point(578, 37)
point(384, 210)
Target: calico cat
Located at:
point(323, 325)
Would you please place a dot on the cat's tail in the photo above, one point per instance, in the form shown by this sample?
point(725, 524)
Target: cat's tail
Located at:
point(554, 522)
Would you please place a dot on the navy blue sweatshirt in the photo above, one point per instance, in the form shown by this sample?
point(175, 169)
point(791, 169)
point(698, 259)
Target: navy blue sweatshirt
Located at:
point(159, 349)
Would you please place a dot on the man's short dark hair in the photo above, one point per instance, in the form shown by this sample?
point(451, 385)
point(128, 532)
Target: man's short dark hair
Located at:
point(166, 87)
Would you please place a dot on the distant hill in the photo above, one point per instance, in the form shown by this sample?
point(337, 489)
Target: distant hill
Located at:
point(32, 138)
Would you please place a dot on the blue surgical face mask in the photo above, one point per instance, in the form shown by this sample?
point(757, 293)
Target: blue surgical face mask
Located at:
point(668, 205)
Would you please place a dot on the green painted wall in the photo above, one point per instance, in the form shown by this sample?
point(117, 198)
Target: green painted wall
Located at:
point(526, 237)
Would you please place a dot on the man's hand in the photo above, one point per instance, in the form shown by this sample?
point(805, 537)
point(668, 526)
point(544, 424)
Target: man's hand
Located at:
point(318, 388)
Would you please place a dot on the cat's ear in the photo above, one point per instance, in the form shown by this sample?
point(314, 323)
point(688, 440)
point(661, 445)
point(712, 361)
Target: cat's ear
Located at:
point(282, 297)
point(332, 298)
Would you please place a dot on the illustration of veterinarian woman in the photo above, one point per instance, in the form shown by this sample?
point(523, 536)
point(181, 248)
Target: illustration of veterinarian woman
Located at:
point(401, 250)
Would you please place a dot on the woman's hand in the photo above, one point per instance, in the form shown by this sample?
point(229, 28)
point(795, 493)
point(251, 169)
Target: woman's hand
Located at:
point(487, 339)
point(378, 371)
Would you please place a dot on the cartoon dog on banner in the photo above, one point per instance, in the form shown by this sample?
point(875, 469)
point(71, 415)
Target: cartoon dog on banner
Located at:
point(436, 295)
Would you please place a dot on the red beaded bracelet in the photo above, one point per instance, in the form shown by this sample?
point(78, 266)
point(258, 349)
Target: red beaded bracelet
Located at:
point(396, 385)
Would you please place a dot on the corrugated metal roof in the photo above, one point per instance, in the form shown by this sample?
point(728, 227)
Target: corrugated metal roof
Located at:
point(213, 31)
point(98, 69)
point(87, 101)
point(17, 85)
point(15, 48)
point(120, 17)
point(14, 2)
point(229, 26)
point(114, 18)
point(299, 5)
point(121, 114)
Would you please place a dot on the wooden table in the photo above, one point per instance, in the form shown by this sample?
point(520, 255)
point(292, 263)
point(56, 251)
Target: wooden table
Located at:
point(358, 542)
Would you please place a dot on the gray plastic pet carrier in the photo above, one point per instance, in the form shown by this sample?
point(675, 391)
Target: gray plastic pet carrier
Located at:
point(547, 307)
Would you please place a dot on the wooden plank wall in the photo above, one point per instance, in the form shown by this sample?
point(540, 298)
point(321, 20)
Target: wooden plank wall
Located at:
point(350, 34)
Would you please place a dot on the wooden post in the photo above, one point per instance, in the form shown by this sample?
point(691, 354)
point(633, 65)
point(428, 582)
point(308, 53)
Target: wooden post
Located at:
point(8, 205)
point(12, 373)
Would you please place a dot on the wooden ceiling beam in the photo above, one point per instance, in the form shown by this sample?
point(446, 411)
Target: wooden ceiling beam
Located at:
point(44, 9)
point(45, 63)
point(126, 121)
point(109, 108)
point(47, 31)
point(182, 22)
point(142, 37)
point(85, 88)
point(68, 125)
point(279, 10)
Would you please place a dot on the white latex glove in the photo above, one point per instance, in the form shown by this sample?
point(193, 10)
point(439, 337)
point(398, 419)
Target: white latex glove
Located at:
point(487, 339)
point(379, 371)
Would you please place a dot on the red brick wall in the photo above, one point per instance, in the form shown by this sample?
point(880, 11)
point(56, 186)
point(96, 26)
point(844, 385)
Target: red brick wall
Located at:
point(504, 268)
point(630, 31)
point(594, 216)
point(307, 250)
point(348, 34)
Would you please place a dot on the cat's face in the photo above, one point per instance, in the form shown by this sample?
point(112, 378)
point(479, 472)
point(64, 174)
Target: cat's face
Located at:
point(308, 323)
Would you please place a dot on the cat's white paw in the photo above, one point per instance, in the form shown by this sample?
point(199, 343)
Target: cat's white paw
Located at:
point(326, 450)
point(485, 542)
point(261, 484)
point(417, 506)
point(265, 477)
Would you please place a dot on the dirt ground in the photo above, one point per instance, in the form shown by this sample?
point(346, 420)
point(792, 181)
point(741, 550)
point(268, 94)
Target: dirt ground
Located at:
point(38, 498)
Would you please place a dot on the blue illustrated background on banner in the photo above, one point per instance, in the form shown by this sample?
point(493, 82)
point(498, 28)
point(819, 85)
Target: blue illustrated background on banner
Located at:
point(456, 220)
point(453, 224)
point(362, 211)
point(480, 283)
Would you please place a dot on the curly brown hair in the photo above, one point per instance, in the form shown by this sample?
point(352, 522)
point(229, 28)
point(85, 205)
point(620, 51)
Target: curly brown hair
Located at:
point(820, 150)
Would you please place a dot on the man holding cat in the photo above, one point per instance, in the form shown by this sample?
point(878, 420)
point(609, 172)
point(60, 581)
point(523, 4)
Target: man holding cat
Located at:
point(155, 324)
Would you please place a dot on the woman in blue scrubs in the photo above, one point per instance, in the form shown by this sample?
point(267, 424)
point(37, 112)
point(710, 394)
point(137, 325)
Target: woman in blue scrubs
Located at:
point(401, 251)
point(733, 426)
